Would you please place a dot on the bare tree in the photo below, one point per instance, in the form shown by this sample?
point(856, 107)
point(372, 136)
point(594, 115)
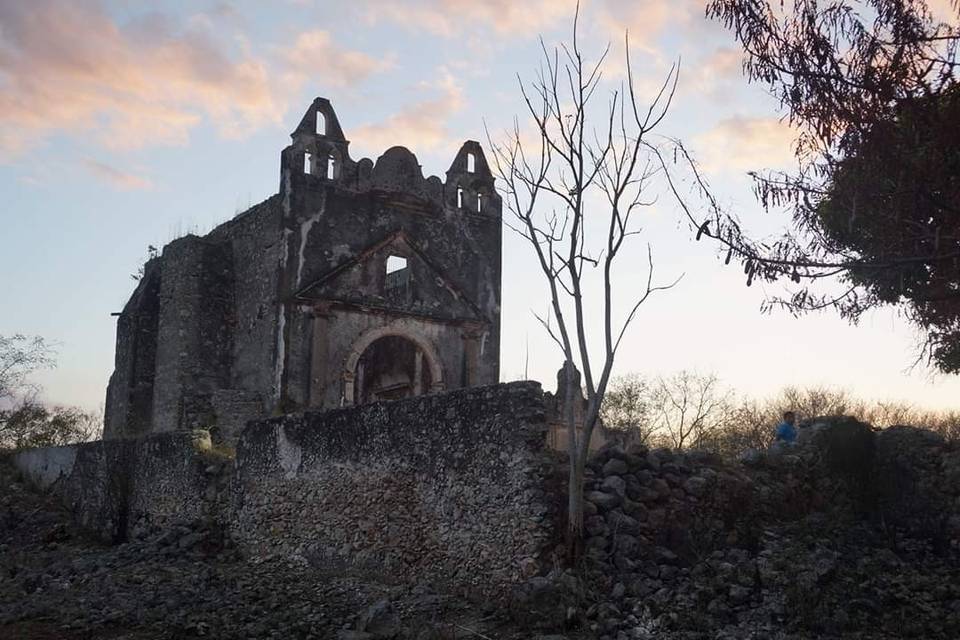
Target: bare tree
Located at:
point(20, 356)
point(590, 170)
point(626, 406)
point(689, 407)
point(24, 420)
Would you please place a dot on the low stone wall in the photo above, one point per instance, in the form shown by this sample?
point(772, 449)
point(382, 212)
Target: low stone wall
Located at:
point(113, 485)
point(448, 488)
point(445, 487)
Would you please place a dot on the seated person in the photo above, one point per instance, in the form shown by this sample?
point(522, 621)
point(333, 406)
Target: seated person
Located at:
point(787, 431)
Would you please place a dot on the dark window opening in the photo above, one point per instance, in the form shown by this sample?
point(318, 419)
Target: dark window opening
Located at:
point(396, 281)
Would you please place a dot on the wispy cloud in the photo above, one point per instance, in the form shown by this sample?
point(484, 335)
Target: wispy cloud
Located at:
point(744, 143)
point(449, 18)
point(70, 67)
point(944, 10)
point(647, 21)
point(716, 75)
point(314, 54)
point(115, 177)
point(420, 126)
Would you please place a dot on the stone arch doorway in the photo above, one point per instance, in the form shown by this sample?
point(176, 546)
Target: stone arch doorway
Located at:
point(389, 365)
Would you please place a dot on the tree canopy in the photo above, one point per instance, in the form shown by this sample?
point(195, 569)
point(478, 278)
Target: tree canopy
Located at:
point(871, 86)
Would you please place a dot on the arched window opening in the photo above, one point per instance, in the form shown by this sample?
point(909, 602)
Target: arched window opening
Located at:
point(307, 162)
point(321, 124)
point(331, 167)
point(391, 368)
point(479, 200)
point(471, 163)
point(459, 197)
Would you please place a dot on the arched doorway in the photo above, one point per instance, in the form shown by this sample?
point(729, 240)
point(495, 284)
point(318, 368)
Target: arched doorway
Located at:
point(392, 367)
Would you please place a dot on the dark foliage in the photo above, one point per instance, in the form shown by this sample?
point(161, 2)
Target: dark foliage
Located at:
point(871, 86)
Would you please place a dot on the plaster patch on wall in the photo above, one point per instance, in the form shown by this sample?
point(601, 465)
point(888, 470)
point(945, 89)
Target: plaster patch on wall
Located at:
point(289, 454)
point(305, 227)
point(46, 466)
point(281, 323)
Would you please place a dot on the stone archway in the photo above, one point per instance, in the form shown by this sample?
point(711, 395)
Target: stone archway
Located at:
point(388, 364)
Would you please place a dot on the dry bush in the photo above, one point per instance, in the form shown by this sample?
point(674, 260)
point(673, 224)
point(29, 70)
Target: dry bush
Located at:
point(689, 410)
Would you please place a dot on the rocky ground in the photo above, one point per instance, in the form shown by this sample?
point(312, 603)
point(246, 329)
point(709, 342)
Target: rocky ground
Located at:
point(854, 535)
point(56, 584)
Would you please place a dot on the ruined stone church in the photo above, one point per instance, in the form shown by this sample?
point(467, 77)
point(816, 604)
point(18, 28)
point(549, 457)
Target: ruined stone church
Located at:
point(356, 282)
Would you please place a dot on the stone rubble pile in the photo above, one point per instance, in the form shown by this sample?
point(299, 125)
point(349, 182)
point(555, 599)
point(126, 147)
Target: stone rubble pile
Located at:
point(851, 534)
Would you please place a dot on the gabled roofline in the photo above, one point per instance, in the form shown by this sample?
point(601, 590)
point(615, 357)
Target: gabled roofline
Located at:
point(354, 260)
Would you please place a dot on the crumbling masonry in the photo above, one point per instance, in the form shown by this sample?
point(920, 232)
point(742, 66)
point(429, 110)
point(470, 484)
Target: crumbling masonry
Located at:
point(356, 282)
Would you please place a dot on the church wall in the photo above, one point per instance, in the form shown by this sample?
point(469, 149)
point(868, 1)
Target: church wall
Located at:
point(194, 337)
point(129, 405)
point(255, 238)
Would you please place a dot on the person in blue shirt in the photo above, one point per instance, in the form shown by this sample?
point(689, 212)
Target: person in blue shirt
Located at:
point(787, 430)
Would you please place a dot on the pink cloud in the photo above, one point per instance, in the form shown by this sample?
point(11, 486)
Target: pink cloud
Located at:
point(115, 177)
point(68, 67)
point(648, 20)
point(944, 10)
point(449, 18)
point(314, 53)
point(743, 143)
point(421, 126)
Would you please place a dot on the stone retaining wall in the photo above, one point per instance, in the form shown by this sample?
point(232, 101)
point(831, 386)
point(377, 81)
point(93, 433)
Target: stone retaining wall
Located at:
point(448, 487)
point(442, 487)
point(112, 485)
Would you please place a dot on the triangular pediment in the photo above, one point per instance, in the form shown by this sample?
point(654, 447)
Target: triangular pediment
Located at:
point(418, 288)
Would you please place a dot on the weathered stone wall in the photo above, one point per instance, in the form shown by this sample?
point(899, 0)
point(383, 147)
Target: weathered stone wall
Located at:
point(129, 406)
point(112, 486)
point(257, 245)
point(448, 487)
point(195, 334)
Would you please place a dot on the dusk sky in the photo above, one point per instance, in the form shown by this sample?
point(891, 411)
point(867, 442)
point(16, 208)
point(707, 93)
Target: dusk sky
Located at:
point(127, 124)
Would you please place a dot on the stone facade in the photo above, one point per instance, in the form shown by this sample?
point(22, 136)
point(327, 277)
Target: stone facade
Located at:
point(358, 281)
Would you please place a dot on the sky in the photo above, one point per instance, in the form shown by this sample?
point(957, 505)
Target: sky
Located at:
point(126, 124)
